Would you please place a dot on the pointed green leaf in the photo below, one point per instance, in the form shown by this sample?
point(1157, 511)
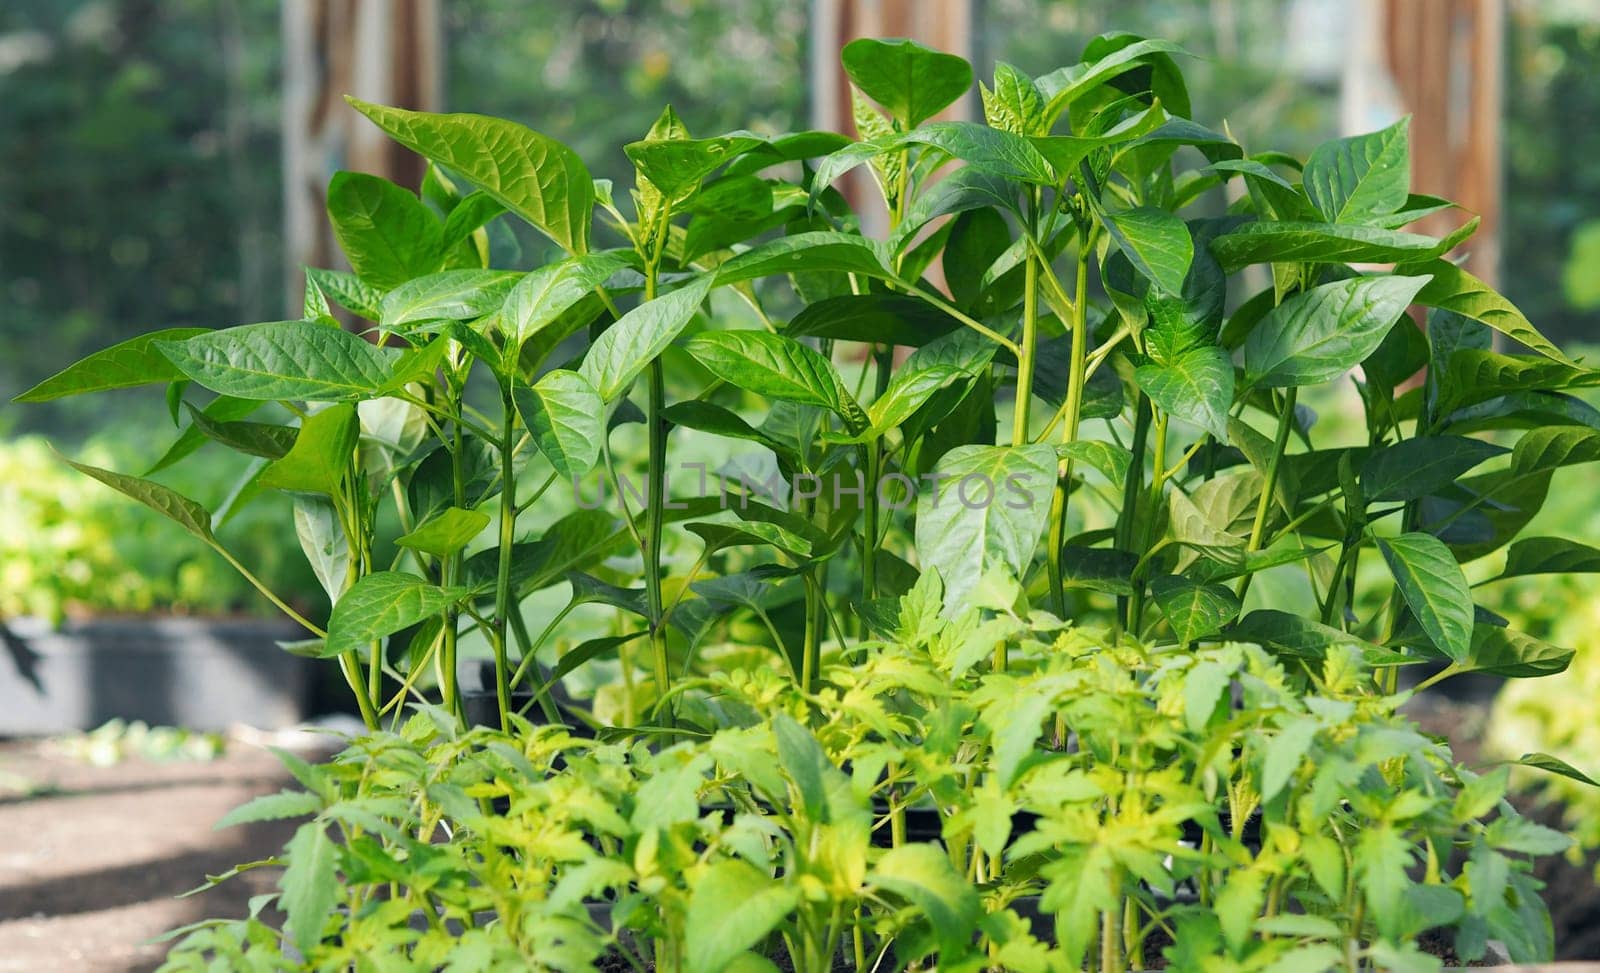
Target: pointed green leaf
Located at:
point(381, 604)
point(1066, 85)
point(1193, 609)
point(1292, 635)
point(265, 439)
point(1416, 467)
point(922, 875)
point(454, 295)
point(542, 296)
point(271, 807)
point(1283, 242)
point(322, 538)
point(535, 176)
point(567, 419)
point(676, 166)
point(137, 361)
point(283, 360)
point(322, 453)
point(1434, 588)
point(620, 353)
point(1156, 242)
point(818, 250)
point(166, 501)
point(1319, 335)
point(446, 532)
point(1550, 555)
point(988, 511)
point(1361, 177)
point(1453, 289)
point(388, 234)
point(577, 541)
point(1498, 651)
point(987, 149)
point(891, 319)
point(347, 290)
point(1555, 765)
point(1196, 386)
point(776, 367)
point(910, 81)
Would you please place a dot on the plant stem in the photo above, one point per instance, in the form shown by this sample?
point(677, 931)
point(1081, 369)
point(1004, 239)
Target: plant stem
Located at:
point(1074, 414)
point(1270, 486)
point(654, 520)
point(1128, 518)
point(810, 652)
point(450, 572)
point(1030, 339)
point(503, 606)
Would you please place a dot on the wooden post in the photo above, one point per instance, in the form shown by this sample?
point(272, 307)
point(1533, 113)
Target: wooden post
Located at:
point(1442, 62)
point(387, 51)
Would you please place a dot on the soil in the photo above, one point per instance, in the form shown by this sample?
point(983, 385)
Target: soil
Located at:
point(93, 856)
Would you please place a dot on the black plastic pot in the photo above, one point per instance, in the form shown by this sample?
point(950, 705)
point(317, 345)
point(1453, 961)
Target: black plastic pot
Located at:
point(199, 673)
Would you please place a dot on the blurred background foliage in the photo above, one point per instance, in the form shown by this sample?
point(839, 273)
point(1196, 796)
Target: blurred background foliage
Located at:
point(141, 186)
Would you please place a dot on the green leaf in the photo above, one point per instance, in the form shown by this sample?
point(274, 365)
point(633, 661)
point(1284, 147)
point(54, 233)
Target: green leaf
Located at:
point(1282, 756)
point(1191, 528)
point(1292, 634)
point(719, 536)
point(351, 292)
point(544, 295)
point(1321, 334)
point(1015, 104)
point(819, 250)
point(1505, 652)
point(322, 539)
point(166, 501)
point(137, 361)
point(271, 807)
point(1549, 555)
point(283, 360)
point(1283, 242)
point(987, 150)
point(310, 885)
point(570, 660)
point(322, 453)
point(381, 604)
point(265, 439)
point(1196, 386)
point(891, 319)
point(567, 419)
point(677, 166)
point(941, 363)
point(910, 81)
point(1238, 903)
point(1194, 610)
point(989, 512)
point(576, 541)
point(1156, 242)
point(1434, 588)
point(468, 217)
point(1473, 375)
point(714, 419)
point(1203, 687)
point(1413, 468)
point(1361, 177)
point(1552, 447)
point(533, 175)
point(446, 532)
point(453, 295)
point(388, 234)
point(1066, 85)
point(732, 906)
point(776, 367)
point(1453, 289)
point(1555, 765)
point(922, 875)
point(805, 763)
point(620, 353)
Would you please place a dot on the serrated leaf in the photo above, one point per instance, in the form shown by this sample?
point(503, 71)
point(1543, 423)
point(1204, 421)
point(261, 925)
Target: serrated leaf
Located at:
point(283, 360)
point(310, 885)
point(732, 907)
point(1319, 335)
point(1203, 687)
point(566, 417)
point(922, 875)
point(271, 807)
point(1434, 588)
point(533, 175)
point(1282, 756)
point(381, 604)
point(137, 361)
point(623, 350)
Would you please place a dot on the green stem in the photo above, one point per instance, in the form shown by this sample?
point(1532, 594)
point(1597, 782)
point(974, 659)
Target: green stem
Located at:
point(1074, 416)
point(1280, 443)
point(503, 606)
point(654, 520)
point(811, 651)
point(1030, 339)
point(1127, 519)
point(526, 648)
point(450, 572)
